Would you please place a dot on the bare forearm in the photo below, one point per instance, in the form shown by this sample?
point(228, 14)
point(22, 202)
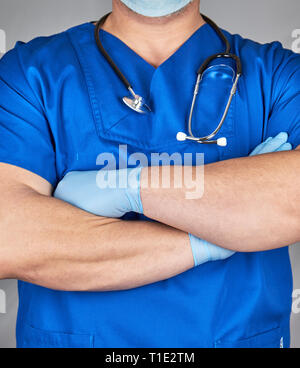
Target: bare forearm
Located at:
point(50, 243)
point(249, 204)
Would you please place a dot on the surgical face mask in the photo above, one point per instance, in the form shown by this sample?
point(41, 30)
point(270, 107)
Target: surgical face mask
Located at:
point(155, 8)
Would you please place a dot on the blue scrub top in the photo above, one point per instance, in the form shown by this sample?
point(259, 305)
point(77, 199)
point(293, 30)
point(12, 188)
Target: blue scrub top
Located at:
point(60, 107)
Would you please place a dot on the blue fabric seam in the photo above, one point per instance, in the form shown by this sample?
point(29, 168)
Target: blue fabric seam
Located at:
point(90, 89)
point(33, 92)
point(43, 109)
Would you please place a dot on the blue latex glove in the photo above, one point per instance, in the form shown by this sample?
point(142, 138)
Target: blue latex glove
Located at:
point(103, 193)
point(114, 193)
point(204, 251)
point(277, 144)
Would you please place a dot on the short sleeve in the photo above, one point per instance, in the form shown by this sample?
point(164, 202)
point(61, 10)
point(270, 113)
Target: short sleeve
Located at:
point(25, 136)
point(285, 114)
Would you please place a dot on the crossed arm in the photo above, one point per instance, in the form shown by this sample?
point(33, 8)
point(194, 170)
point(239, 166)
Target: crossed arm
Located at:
point(50, 243)
point(249, 204)
point(53, 244)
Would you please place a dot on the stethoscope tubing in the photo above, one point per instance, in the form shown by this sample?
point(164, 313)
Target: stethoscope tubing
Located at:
point(106, 54)
point(137, 102)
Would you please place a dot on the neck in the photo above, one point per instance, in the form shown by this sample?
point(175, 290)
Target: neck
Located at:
point(154, 39)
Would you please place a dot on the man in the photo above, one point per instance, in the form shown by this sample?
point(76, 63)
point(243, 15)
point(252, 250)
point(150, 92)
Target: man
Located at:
point(125, 281)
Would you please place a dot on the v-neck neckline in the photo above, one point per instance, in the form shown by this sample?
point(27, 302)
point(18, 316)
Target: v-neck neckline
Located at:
point(185, 44)
point(177, 73)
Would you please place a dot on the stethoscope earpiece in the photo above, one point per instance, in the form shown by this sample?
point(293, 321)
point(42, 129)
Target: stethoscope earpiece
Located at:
point(221, 142)
point(181, 137)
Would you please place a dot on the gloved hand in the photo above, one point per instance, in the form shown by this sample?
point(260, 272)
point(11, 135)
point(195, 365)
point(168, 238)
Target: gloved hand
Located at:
point(277, 144)
point(114, 193)
point(103, 193)
point(204, 251)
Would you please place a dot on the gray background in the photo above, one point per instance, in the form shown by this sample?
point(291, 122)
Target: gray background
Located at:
point(262, 20)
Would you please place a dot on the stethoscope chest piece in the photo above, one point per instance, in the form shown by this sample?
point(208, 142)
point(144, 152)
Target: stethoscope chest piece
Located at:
point(137, 103)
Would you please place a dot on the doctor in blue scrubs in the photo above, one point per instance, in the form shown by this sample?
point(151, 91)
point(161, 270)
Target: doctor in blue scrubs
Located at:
point(135, 265)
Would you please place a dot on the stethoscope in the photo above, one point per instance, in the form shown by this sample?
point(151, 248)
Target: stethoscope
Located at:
point(138, 104)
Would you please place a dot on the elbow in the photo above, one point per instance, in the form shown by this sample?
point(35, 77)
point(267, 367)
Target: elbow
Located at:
point(294, 231)
point(12, 249)
point(292, 215)
point(6, 270)
point(8, 264)
point(295, 200)
point(8, 257)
